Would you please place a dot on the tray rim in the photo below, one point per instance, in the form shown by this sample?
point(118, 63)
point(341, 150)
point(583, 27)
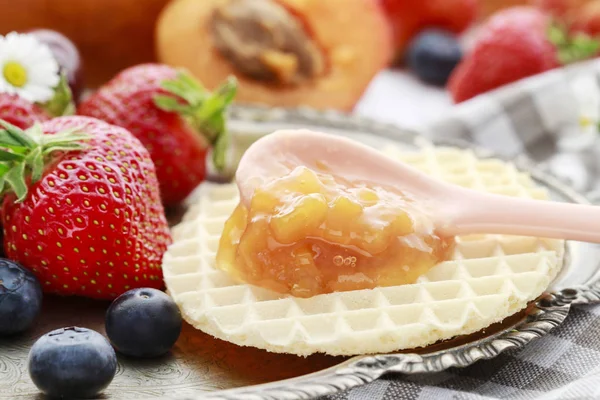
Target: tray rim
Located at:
point(547, 312)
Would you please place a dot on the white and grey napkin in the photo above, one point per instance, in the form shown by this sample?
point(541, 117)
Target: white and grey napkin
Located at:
point(552, 120)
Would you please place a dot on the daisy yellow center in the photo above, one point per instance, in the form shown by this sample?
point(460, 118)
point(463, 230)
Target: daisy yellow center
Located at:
point(585, 121)
point(15, 73)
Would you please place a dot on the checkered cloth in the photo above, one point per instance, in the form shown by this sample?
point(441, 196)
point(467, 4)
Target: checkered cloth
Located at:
point(539, 118)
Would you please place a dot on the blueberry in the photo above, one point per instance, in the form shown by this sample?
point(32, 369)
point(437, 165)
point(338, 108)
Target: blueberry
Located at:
point(143, 323)
point(20, 298)
point(433, 54)
point(72, 363)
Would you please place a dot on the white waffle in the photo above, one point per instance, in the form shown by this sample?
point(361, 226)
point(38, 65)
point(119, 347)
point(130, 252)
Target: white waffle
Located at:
point(489, 278)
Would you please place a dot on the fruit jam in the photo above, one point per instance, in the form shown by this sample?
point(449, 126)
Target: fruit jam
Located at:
point(311, 233)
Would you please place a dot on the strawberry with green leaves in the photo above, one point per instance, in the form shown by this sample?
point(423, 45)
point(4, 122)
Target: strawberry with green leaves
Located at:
point(81, 207)
point(173, 116)
point(514, 44)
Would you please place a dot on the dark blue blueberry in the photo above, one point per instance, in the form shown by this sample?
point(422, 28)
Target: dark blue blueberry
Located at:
point(20, 298)
point(433, 54)
point(143, 323)
point(72, 363)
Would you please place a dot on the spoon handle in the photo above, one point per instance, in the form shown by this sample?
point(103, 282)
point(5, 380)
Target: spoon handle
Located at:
point(496, 214)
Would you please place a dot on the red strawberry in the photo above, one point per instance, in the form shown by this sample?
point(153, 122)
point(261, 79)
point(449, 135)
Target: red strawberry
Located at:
point(173, 116)
point(562, 10)
point(20, 112)
point(514, 44)
point(86, 218)
point(587, 19)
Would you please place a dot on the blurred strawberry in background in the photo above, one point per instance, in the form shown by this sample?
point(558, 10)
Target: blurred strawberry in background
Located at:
point(581, 16)
point(510, 39)
point(563, 10)
point(517, 43)
point(587, 18)
point(409, 17)
point(511, 45)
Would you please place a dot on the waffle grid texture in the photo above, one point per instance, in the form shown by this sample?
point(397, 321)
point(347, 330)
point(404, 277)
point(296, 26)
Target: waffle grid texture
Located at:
point(488, 278)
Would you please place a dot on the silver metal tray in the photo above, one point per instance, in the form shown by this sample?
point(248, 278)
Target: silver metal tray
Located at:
point(201, 367)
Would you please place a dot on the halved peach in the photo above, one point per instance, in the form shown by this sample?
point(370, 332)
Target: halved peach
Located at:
point(319, 53)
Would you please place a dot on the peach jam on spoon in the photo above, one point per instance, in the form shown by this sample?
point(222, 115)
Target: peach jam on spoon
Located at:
point(312, 228)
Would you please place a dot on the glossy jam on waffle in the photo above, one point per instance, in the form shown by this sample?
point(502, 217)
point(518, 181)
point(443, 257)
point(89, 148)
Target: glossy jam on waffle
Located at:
point(310, 233)
point(486, 279)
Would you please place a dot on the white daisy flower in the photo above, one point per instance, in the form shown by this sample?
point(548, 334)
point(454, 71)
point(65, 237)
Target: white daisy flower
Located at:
point(582, 135)
point(585, 89)
point(27, 67)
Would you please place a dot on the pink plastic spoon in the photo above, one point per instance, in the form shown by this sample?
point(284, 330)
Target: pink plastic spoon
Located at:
point(454, 210)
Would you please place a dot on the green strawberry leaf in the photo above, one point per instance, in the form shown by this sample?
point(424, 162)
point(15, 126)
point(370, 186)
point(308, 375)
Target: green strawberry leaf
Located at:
point(24, 154)
point(557, 34)
point(16, 135)
point(205, 111)
point(169, 103)
point(68, 138)
point(572, 47)
point(36, 161)
point(220, 152)
point(187, 88)
point(15, 178)
point(67, 147)
point(62, 102)
point(8, 140)
point(37, 168)
point(8, 156)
